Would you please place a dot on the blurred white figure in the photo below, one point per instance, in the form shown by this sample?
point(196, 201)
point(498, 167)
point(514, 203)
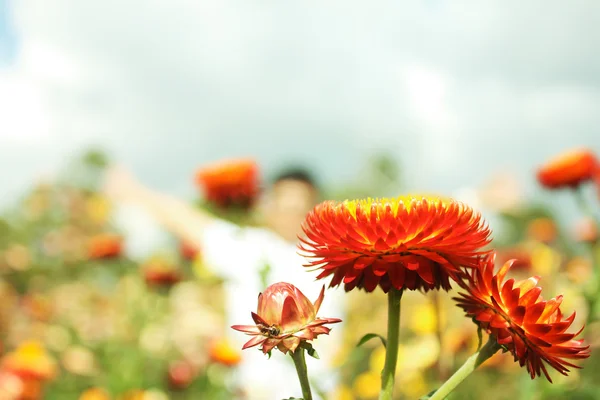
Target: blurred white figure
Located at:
point(238, 254)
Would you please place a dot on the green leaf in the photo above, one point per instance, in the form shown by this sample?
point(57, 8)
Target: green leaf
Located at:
point(310, 350)
point(370, 336)
point(268, 353)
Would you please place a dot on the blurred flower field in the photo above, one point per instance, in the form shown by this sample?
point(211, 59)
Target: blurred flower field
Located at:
point(81, 320)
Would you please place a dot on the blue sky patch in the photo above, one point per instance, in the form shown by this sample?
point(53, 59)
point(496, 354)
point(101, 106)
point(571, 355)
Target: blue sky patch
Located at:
point(8, 38)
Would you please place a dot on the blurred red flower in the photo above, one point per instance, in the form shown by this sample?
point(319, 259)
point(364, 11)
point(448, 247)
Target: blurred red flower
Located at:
point(180, 375)
point(188, 250)
point(105, 245)
point(230, 183)
point(284, 319)
point(568, 169)
point(161, 273)
point(405, 242)
point(515, 314)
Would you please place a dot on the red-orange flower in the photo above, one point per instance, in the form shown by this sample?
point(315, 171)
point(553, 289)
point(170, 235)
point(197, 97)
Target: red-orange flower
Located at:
point(105, 245)
point(180, 375)
point(406, 242)
point(284, 319)
point(515, 314)
point(230, 182)
point(161, 273)
point(188, 250)
point(568, 169)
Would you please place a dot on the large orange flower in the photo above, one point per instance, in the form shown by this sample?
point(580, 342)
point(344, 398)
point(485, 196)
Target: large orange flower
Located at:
point(230, 182)
point(515, 314)
point(568, 169)
point(284, 319)
point(406, 242)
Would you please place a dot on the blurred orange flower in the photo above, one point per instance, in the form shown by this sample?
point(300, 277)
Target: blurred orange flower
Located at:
point(568, 169)
point(542, 229)
point(222, 352)
point(37, 306)
point(405, 242)
point(230, 182)
point(161, 273)
point(285, 318)
point(521, 257)
point(188, 250)
point(515, 314)
point(105, 245)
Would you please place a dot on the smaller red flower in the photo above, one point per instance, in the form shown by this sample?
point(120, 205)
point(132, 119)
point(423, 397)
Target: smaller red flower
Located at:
point(188, 250)
point(568, 169)
point(515, 314)
point(284, 319)
point(230, 183)
point(180, 375)
point(105, 245)
point(161, 273)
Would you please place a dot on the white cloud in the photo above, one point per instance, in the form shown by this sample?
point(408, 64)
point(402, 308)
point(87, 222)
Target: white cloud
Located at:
point(456, 88)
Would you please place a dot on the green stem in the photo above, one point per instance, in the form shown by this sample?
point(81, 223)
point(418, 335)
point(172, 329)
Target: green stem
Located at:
point(439, 332)
point(591, 294)
point(488, 350)
point(584, 205)
point(300, 363)
point(391, 352)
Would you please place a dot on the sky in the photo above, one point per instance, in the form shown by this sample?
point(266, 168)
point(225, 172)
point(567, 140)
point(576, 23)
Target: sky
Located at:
point(456, 90)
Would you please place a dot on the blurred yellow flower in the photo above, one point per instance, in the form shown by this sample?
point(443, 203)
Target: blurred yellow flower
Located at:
point(30, 360)
point(367, 385)
point(423, 319)
point(342, 393)
point(95, 394)
point(544, 260)
point(98, 209)
point(377, 359)
point(412, 385)
point(133, 395)
point(418, 354)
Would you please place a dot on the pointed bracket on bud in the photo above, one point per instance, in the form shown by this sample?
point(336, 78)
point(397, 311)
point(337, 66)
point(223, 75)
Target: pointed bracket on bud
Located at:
point(310, 350)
